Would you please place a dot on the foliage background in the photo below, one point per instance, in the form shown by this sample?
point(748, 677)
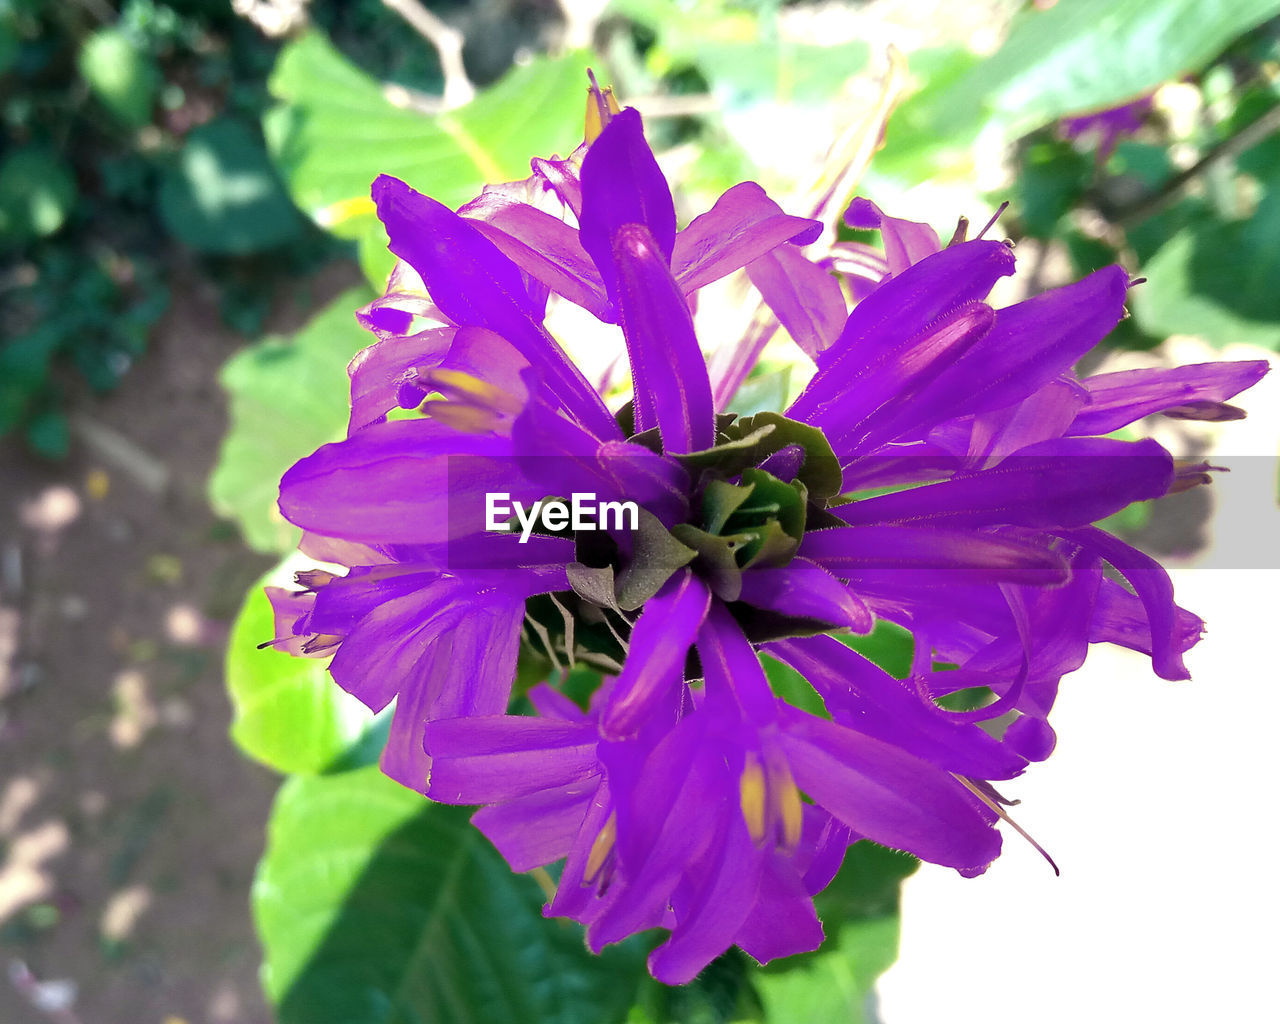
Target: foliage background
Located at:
point(154, 151)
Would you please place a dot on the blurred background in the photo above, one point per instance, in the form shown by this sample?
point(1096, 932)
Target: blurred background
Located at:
point(184, 234)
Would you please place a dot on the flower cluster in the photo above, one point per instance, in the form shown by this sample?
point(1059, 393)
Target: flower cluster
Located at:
point(942, 470)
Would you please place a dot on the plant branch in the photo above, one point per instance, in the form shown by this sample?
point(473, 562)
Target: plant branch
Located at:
point(447, 42)
point(1227, 149)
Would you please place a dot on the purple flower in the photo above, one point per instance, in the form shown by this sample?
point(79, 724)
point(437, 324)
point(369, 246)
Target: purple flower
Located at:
point(942, 471)
point(1106, 127)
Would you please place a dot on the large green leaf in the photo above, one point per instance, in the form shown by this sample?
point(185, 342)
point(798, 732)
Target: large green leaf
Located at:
point(334, 131)
point(1077, 56)
point(288, 397)
point(1088, 54)
point(289, 713)
point(377, 907)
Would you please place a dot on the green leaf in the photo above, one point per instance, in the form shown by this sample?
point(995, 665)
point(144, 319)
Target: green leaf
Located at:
point(1090, 54)
point(288, 397)
point(888, 645)
point(37, 192)
point(377, 907)
point(223, 196)
point(334, 131)
point(1076, 56)
point(289, 714)
point(123, 77)
point(1216, 279)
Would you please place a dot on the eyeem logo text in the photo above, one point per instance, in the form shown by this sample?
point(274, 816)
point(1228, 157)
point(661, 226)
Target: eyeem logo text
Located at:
point(582, 512)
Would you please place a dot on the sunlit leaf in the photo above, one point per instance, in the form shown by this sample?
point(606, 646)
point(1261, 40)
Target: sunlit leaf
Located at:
point(288, 397)
point(289, 713)
point(335, 130)
point(377, 907)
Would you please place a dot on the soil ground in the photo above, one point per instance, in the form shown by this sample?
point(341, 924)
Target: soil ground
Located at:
point(129, 824)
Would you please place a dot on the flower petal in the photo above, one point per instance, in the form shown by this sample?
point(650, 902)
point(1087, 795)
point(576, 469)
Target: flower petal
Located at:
point(1067, 482)
point(622, 184)
point(1117, 399)
point(743, 224)
point(660, 639)
point(474, 284)
point(888, 795)
point(669, 373)
point(803, 295)
point(953, 556)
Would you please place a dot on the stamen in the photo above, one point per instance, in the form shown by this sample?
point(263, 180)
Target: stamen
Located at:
point(466, 419)
point(601, 848)
point(751, 796)
point(601, 106)
point(991, 223)
point(1003, 816)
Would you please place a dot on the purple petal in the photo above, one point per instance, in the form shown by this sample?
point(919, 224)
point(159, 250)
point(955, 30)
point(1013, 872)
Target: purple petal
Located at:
point(952, 556)
point(562, 177)
point(672, 389)
point(905, 306)
point(1042, 416)
point(1031, 344)
point(863, 402)
point(864, 697)
point(536, 829)
point(392, 483)
point(906, 242)
point(543, 246)
point(474, 284)
point(622, 184)
point(661, 638)
point(804, 297)
point(888, 795)
point(1117, 399)
point(1153, 588)
point(377, 372)
point(502, 757)
point(805, 590)
point(743, 224)
point(713, 911)
point(782, 921)
point(732, 668)
point(1068, 482)
point(1122, 618)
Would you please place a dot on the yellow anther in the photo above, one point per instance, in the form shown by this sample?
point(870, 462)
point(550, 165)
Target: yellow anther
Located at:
point(601, 106)
point(782, 789)
point(601, 848)
point(751, 794)
point(467, 419)
point(464, 387)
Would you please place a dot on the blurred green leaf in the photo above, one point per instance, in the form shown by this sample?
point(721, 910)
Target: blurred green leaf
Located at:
point(48, 435)
point(334, 131)
point(288, 397)
point(1076, 56)
point(224, 196)
point(377, 907)
point(1052, 177)
point(1082, 55)
point(123, 76)
point(289, 714)
point(37, 191)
